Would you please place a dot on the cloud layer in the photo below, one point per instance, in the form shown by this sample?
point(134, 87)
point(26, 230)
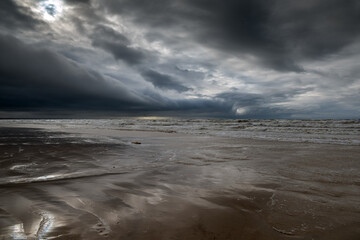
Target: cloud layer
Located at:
point(248, 58)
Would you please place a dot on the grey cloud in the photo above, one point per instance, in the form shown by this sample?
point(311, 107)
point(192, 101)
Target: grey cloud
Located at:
point(314, 29)
point(225, 104)
point(279, 33)
point(156, 12)
point(116, 44)
point(192, 75)
point(37, 78)
point(13, 16)
point(260, 105)
point(163, 81)
point(189, 43)
point(271, 96)
point(76, 2)
point(243, 99)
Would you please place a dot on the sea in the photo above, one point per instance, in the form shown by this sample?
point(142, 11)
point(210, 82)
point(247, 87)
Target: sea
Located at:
point(314, 131)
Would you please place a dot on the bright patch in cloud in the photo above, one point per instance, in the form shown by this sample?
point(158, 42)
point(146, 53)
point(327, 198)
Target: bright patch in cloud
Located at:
point(50, 10)
point(241, 111)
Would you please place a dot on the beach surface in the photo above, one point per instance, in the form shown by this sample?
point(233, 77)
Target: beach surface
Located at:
point(61, 182)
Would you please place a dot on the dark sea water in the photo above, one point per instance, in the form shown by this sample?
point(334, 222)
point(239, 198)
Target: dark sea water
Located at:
point(161, 178)
point(316, 131)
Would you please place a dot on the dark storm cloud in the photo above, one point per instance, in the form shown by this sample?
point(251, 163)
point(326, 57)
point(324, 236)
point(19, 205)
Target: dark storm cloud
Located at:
point(38, 78)
point(205, 57)
point(116, 44)
point(163, 81)
point(13, 16)
point(78, 1)
point(242, 99)
point(279, 33)
point(316, 28)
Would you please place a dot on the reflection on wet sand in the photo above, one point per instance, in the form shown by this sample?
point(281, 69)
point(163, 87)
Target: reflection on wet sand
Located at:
point(175, 186)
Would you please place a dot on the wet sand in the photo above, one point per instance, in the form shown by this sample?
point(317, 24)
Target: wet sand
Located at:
point(96, 184)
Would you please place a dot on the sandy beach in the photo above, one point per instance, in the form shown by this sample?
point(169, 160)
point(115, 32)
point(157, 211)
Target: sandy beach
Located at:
point(116, 184)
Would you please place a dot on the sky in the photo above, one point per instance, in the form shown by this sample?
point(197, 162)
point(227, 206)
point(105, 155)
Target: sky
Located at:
point(187, 58)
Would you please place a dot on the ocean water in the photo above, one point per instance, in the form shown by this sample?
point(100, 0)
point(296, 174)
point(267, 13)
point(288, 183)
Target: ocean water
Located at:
point(314, 131)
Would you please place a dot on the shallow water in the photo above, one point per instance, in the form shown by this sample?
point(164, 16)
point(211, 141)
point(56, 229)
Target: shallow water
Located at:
point(87, 181)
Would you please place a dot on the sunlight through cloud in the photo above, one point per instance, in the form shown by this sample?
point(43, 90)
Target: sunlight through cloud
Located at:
point(50, 10)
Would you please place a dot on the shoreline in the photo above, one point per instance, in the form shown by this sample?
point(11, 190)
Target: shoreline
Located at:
point(336, 132)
